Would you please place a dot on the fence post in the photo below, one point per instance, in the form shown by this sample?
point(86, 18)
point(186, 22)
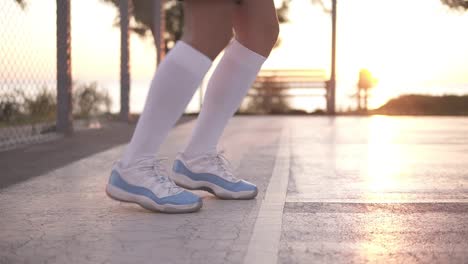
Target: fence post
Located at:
point(64, 76)
point(124, 9)
point(331, 92)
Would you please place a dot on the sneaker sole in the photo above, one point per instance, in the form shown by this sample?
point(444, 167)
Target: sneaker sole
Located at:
point(187, 183)
point(123, 196)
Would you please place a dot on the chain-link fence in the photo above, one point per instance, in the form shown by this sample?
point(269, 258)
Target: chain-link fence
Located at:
point(37, 102)
point(27, 72)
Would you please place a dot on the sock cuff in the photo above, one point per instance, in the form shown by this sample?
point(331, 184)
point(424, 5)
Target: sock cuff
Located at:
point(188, 57)
point(240, 53)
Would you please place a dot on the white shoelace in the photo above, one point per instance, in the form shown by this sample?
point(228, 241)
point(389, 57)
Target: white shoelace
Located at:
point(159, 172)
point(224, 164)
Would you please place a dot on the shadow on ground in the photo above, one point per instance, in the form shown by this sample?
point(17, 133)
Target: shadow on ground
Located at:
point(36, 159)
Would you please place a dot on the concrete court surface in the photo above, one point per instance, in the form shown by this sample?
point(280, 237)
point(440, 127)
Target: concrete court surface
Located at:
point(332, 190)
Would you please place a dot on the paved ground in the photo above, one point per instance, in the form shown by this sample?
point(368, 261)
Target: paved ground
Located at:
point(337, 190)
point(377, 189)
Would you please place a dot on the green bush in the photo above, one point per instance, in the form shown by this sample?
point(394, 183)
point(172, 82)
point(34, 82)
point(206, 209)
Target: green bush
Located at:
point(9, 110)
point(39, 107)
point(18, 107)
point(89, 101)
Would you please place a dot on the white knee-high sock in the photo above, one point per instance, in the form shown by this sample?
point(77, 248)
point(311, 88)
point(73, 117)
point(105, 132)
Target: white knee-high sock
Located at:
point(173, 85)
point(228, 85)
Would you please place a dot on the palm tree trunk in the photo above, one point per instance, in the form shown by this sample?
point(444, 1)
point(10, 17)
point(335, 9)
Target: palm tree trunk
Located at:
point(358, 97)
point(124, 8)
point(365, 99)
point(159, 26)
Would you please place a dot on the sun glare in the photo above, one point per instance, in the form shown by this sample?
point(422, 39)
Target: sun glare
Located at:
point(385, 162)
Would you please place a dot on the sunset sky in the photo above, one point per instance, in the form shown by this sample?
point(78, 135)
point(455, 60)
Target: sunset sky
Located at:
point(416, 46)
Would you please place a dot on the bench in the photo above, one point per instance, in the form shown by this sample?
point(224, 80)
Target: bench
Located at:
point(278, 82)
point(272, 87)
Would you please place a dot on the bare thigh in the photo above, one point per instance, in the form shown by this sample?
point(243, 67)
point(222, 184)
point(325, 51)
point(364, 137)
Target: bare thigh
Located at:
point(208, 25)
point(256, 25)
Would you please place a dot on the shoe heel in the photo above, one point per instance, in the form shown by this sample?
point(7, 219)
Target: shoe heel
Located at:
point(116, 193)
point(182, 181)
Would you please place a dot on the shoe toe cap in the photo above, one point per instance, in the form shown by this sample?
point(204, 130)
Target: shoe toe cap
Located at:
point(246, 186)
point(183, 198)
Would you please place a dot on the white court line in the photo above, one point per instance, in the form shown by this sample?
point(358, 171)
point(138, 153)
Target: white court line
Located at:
point(264, 243)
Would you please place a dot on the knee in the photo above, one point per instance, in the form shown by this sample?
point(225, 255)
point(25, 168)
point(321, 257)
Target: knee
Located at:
point(210, 44)
point(270, 34)
point(260, 37)
point(220, 39)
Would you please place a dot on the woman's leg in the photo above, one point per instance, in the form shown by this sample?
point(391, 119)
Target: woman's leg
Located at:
point(256, 31)
point(207, 30)
point(201, 166)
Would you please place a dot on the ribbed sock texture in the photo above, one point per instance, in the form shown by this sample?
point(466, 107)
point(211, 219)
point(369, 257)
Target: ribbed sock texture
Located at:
point(232, 78)
point(173, 85)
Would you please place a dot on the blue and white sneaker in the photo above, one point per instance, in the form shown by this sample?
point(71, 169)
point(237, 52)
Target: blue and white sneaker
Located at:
point(211, 172)
point(146, 183)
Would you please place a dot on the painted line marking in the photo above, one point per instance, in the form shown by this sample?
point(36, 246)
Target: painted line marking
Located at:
point(264, 242)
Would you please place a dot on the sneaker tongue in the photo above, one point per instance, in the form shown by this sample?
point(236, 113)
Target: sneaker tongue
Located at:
point(145, 162)
point(142, 160)
point(212, 152)
point(213, 155)
point(151, 162)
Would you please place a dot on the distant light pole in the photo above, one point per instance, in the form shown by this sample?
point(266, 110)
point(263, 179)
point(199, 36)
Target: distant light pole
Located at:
point(332, 83)
point(124, 9)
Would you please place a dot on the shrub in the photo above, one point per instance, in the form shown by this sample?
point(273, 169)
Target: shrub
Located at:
point(89, 101)
point(20, 107)
point(40, 107)
point(9, 111)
